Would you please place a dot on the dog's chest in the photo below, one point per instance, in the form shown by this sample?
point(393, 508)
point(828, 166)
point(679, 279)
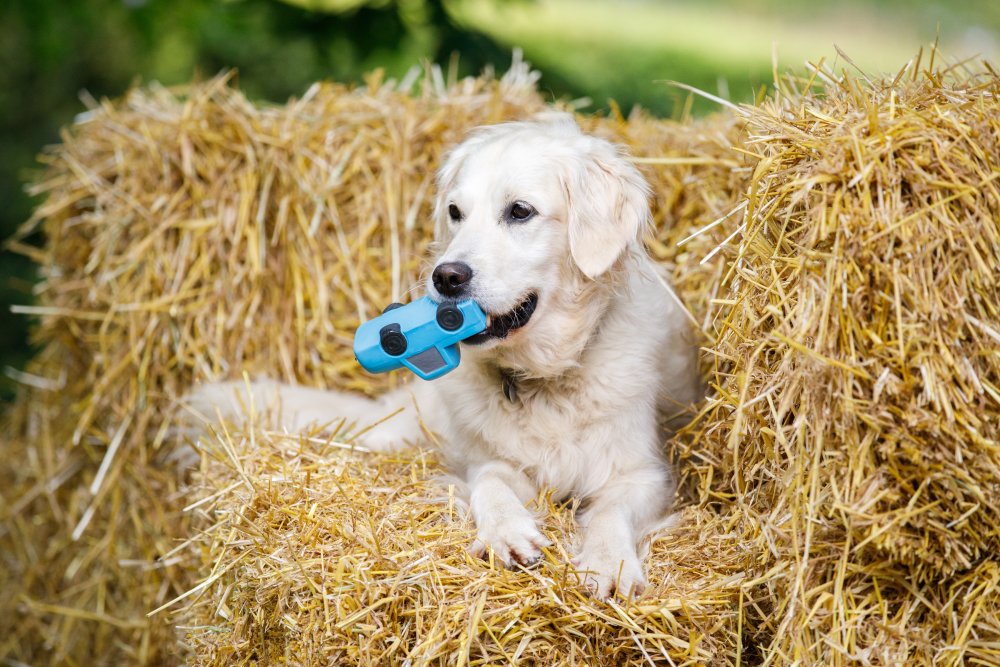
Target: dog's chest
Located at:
point(546, 431)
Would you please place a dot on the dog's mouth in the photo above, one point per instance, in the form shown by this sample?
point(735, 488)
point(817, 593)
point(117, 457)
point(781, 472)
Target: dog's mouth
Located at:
point(499, 326)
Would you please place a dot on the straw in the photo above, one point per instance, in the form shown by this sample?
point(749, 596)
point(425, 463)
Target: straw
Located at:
point(839, 488)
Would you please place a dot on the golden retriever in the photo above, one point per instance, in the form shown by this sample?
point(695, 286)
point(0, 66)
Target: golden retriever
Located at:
point(586, 349)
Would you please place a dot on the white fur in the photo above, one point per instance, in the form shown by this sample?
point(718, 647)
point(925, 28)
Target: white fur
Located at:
point(606, 351)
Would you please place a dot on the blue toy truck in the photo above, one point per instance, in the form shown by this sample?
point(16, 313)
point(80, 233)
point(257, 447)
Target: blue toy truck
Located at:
point(422, 336)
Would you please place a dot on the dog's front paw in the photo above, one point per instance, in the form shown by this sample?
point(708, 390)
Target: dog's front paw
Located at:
point(515, 540)
point(606, 574)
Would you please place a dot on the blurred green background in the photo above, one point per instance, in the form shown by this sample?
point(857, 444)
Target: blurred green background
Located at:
point(54, 51)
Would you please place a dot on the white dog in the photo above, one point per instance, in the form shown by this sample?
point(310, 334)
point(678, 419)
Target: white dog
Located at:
point(585, 349)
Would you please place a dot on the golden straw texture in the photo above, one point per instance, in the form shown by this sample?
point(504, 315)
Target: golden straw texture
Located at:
point(856, 411)
point(838, 245)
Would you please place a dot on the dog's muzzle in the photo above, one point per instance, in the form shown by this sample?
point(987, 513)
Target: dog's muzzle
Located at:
point(499, 326)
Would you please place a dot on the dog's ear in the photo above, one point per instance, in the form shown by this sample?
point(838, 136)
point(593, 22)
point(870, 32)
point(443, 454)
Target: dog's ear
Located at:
point(608, 206)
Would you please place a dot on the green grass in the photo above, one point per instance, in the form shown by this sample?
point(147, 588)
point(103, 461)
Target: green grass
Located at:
point(626, 50)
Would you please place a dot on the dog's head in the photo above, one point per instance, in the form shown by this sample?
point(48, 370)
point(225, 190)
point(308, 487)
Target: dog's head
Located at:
point(528, 214)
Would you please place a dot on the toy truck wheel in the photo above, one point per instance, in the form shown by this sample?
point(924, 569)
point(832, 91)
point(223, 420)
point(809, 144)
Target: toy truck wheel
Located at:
point(392, 340)
point(391, 306)
point(449, 317)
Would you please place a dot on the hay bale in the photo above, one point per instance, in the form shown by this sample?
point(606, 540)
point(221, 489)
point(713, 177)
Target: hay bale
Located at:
point(857, 368)
point(177, 225)
point(322, 557)
point(191, 234)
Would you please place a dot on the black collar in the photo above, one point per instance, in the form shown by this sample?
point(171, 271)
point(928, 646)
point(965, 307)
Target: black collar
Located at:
point(509, 384)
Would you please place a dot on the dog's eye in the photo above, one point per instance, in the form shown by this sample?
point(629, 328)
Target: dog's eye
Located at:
point(454, 213)
point(521, 211)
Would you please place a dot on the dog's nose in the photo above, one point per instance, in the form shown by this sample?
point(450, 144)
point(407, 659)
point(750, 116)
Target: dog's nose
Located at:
point(452, 278)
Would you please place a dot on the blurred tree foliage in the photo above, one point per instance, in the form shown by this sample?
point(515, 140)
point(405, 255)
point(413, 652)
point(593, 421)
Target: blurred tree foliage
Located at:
point(51, 51)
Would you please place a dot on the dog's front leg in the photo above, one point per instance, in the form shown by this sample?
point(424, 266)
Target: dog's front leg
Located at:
point(616, 518)
point(497, 495)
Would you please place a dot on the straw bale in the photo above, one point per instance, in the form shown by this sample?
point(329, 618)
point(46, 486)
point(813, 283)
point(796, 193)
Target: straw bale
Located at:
point(837, 245)
point(189, 233)
point(411, 590)
point(325, 557)
point(856, 355)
